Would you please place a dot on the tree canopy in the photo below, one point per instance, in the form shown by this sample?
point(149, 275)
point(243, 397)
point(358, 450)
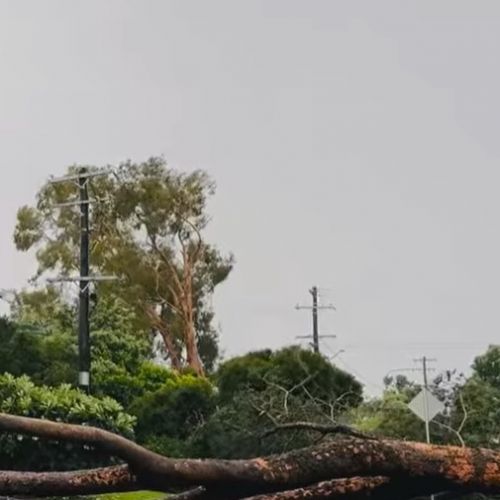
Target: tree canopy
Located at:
point(148, 231)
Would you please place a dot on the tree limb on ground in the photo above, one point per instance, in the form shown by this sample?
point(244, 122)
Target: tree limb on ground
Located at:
point(308, 471)
point(321, 428)
point(337, 488)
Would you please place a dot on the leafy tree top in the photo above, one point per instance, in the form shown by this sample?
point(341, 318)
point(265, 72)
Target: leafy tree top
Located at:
point(148, 231)
point(288, 368)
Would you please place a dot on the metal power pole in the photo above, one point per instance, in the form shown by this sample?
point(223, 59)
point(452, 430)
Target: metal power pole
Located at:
point(315, 308)
point(83, 313)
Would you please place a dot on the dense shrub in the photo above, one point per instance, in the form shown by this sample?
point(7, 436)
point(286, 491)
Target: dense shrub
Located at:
point(118, 383)
point(238, 429)
point(167, 417)
point(288, 368)
point(260, 389)
point(20, 396)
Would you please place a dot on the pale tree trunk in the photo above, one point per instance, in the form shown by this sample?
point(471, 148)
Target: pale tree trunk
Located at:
point(173, 354)
point(185, 300)
point(158, 323)
point(192, 355)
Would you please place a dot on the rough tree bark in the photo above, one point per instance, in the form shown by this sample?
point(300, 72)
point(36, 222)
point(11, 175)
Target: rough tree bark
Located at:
point(349, 467)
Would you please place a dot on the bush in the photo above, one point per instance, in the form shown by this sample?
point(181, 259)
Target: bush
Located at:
point(237, 429)
point(288, 368)
point(260, 389)
point(482, 425)
point(167, 417)
point(20, 396)
point(116, 382)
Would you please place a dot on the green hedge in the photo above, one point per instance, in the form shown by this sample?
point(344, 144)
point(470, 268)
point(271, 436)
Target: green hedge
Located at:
point(20, 396)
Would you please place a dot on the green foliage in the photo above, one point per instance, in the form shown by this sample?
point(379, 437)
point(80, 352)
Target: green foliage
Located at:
point(487, 366)
point(45, 309)
point(14, 340)
point(238, 429)
point(19, 396)
point(125, 386)
point(207, 338)
point(48, 342)
point(167, 417)
point(389, 416)
point(121, 348)
point(475, 410)
point(29, 229)
point(481, 402)
point(287, 368)
point(47, 357)
point(262, 389)
point(110, 314)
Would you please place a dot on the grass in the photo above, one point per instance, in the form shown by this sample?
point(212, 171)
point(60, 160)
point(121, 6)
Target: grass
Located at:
point(133, 495)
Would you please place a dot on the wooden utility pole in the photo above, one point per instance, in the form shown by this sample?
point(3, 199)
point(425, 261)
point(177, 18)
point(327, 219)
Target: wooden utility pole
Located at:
point(315, 308)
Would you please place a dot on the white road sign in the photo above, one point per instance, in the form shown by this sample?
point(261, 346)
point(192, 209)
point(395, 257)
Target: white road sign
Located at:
point(434, 406)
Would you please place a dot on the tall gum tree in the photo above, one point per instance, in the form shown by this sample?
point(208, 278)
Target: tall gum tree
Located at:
point(148, 230)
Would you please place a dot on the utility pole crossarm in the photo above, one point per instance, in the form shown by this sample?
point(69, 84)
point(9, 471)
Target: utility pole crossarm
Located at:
point(319, 308)
point(79, 203)
point(83, 174)
point(73, 279)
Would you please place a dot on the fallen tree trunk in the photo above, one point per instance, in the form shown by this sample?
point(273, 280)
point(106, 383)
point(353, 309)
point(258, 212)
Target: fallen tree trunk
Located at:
point(333, 469)
point(88, 482)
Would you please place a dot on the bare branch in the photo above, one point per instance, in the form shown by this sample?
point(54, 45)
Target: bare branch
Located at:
point(456, 432)
point(464, 410)
point(286, 391)
point(450, 429)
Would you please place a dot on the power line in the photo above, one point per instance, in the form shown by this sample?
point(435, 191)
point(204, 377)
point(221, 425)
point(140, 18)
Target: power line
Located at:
point(413, 345)
point(361, 377)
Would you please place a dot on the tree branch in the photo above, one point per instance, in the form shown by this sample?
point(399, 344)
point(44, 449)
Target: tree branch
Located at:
point(136, 456)
point(321, 428)
point(104, 480)
point(354, 487)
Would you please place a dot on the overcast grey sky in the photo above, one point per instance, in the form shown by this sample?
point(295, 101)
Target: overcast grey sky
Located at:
point(354, 144)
